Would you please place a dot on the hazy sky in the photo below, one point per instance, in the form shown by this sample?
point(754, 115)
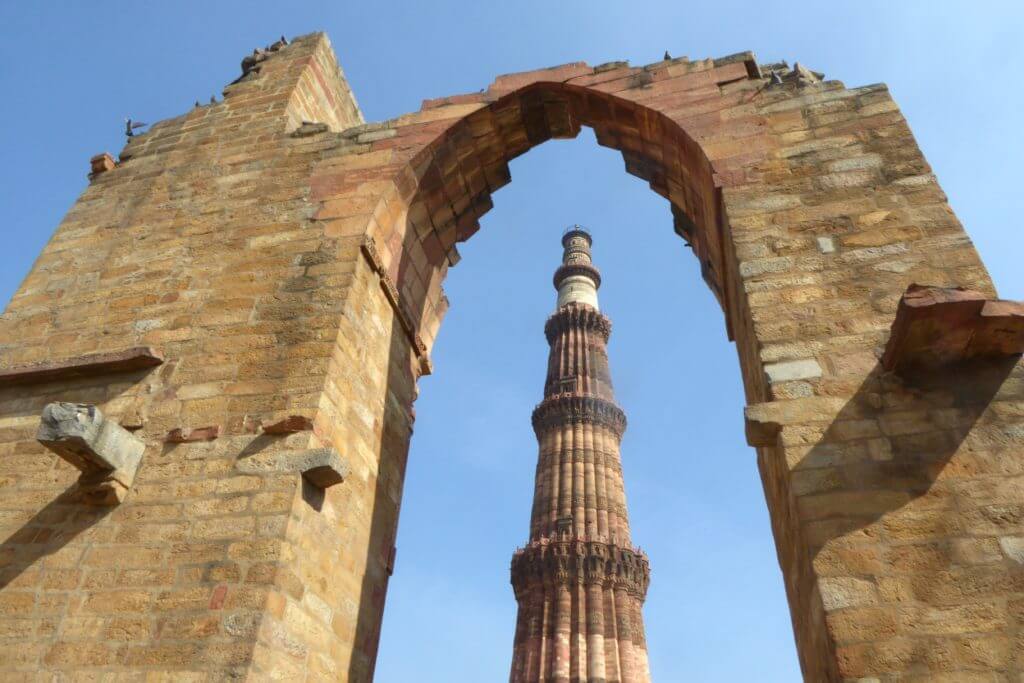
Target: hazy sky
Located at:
point(716, 611)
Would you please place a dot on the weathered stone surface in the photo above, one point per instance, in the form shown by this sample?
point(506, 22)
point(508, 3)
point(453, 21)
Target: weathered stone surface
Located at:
point(787, 371)
point(107, 455)
point(763, 421)
point(935, 326)
point(182, 435)
point(309, 128)
point(81, 435)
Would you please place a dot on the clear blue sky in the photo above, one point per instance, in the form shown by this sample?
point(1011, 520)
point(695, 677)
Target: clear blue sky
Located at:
point(70, 73)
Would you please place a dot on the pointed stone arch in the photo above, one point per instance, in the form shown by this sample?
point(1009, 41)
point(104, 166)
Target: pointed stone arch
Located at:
point(277, 264)
point(811, 210)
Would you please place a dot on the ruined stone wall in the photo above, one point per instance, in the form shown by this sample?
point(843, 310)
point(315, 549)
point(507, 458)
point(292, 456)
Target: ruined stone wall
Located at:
point(285, 260)
point(201, 245)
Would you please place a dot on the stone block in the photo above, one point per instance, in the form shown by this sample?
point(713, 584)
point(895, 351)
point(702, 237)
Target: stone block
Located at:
point(322, 467)
point(763, 421)
point(309, 128)
point(289, 425)
point(787, 371)
point(179, 435)
point(101, 163)
point(936, 326)
point(826, 245)
point(106, 453)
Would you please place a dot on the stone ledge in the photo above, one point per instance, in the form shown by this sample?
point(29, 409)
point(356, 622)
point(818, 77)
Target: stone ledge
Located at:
point(764, 421)
point(937, 326)
point(322, 467)
point(289, 425)
point(137, 358)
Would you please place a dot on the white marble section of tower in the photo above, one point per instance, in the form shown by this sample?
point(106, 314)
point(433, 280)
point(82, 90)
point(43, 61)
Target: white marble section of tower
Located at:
point(577, 280)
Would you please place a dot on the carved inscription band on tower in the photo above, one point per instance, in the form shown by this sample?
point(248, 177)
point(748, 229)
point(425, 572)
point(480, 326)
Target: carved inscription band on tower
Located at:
point(579, 582)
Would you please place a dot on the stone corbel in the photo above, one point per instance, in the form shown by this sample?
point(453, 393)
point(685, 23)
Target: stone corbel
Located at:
point(938, 326)
point(322, 467)
point(106, 453)
point(764, 421)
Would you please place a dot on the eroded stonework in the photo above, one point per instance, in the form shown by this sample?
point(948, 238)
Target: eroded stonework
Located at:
point(283, 260)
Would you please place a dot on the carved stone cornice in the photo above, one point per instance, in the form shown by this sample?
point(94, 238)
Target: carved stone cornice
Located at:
point(570, 269)
point(568, 409)
point(572, 562)
point(576, 316)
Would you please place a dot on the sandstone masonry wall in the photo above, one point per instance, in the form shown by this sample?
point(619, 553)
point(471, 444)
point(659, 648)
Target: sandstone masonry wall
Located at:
point(286, 259)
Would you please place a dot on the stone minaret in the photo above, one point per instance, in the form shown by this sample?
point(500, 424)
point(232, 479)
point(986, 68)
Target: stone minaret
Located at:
point(579, 582)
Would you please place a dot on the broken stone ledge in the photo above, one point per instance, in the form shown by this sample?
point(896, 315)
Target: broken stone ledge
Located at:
point(322, 467)
point(764, 421)
point(129, 360)
point(937, 326)
point(106, 453)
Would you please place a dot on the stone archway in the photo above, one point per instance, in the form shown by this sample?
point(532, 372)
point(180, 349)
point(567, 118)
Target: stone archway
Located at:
point(285, 260)
point(806, 206)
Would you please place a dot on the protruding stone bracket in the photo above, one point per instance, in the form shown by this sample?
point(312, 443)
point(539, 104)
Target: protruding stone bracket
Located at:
point(759, 426)
point(289, 425)
point(764, 421)
point(937, 326)
point(129, 360)
point(101, 163)
point(106, 453)
point(322, 467)
point(309, 128)
point(180, 435)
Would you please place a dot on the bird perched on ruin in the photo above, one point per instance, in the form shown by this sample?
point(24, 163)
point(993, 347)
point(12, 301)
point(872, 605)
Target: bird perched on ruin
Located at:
point(667, 56)
point(213, 99)
point(131, 126)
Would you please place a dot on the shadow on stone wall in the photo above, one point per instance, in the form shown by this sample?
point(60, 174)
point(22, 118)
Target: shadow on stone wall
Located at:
point(47, 532)
point(876, 477)
point(395, 437)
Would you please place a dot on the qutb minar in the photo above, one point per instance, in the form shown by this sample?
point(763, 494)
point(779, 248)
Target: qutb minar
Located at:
point(579, 582)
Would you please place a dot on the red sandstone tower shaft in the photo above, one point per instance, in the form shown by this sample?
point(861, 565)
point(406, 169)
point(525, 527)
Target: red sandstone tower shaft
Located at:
point(579, 582)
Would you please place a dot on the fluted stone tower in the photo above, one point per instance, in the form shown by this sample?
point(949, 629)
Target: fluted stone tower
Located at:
point(579, 582)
